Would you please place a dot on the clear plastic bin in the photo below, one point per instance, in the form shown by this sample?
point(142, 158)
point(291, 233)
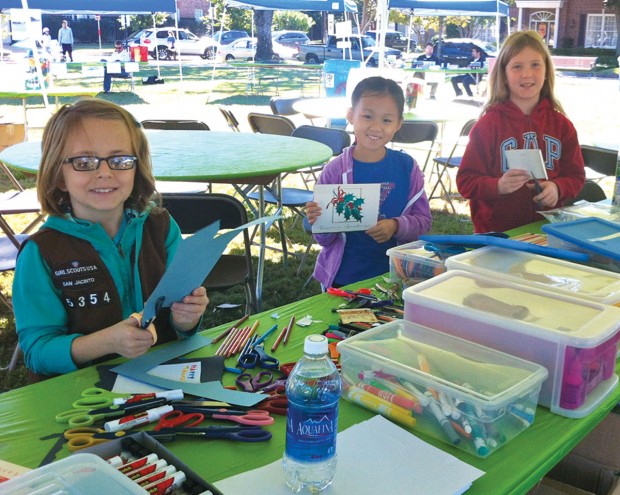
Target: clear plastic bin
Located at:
point(462, 393)
point(411, 263)
point(80, 474)
point(560, 276)
point(575, 339)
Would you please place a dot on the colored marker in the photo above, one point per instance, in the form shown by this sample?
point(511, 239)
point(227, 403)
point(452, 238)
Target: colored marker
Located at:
point(167, 485)
point(445, 424)
point(411, 388)
point(396, 389)
point(381, 406)
point(176, 394)
point(138, 463)
point(146, 470)
point(389, 396)
point(140, 418)
point(156, 476)
point(476, 429)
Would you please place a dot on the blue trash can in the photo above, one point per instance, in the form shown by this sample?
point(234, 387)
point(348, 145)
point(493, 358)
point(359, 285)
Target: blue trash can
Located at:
point(336, 73)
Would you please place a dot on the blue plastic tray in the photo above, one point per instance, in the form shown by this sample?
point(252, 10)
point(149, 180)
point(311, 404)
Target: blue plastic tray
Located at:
point(590, 234)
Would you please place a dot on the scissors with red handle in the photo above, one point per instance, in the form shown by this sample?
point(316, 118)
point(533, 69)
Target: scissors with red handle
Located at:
point(276, 402)
point(176, 418)
point(253, 417)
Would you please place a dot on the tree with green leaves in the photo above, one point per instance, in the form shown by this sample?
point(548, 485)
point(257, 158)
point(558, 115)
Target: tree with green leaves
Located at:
point(615, 6)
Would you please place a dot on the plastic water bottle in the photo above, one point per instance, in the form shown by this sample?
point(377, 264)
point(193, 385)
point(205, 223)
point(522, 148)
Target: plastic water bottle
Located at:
point(313, 389)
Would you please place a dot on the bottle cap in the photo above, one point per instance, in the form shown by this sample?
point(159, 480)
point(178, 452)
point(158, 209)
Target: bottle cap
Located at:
point(315, 344)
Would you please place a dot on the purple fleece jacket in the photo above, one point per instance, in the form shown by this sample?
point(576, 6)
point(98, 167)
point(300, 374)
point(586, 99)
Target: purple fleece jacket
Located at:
point(414, 220)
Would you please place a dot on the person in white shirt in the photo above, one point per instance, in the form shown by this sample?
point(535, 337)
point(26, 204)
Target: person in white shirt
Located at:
point(46, 42)
point(119, 55)
point(65, 38)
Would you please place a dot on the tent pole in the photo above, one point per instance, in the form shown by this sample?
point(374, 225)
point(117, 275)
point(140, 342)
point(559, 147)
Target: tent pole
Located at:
point(176, 25)
point(37, 63)
point(156, 50)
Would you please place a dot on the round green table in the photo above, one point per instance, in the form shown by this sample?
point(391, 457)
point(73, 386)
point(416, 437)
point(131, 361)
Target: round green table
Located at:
point(223, 157)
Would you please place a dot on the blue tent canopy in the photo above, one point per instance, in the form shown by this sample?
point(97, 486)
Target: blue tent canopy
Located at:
point(473, 8)
point(94, 6)
point(308, 5)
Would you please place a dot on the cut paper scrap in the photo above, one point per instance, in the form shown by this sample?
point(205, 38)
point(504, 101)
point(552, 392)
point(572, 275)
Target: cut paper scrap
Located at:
point(346, 207)
point(138, 368)
point(195, 258)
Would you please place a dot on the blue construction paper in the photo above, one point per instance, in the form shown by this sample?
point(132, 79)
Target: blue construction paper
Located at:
point(195, 258)
point(138, 368)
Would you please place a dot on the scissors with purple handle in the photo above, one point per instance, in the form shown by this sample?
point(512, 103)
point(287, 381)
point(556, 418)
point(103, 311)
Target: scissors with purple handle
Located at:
point(249, 383)
point(237, 433)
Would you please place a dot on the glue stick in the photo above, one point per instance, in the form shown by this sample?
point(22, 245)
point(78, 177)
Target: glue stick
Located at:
point(140, 418)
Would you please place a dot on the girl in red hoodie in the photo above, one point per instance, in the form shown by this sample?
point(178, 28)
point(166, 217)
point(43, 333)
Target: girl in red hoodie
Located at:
point(521, 113)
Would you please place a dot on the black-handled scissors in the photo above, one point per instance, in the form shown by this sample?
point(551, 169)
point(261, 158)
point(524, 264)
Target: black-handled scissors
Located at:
point(237, 433)
point(256, 356)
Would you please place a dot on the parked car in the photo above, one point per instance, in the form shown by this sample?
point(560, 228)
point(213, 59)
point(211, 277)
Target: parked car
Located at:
point(227, 37)
point(313, 53)
point(187, 43)
point(290, 38)
point(245, 49)
point(457, 51)
point(395, 39)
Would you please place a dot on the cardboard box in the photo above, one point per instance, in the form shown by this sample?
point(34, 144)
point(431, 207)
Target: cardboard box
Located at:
point(462, 393)
point(575, 339)
point(594, 464)
point(110, 449)
point(11, 134)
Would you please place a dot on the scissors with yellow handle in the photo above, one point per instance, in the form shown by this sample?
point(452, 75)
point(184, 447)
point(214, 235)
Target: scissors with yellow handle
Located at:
point(92, 399)
point(150, 327)
point(81, 438)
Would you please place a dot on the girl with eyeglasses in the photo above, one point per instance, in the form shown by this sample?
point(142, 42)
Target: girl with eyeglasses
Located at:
point(102, 250)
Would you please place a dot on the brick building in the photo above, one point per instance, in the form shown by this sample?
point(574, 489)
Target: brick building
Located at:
point(193, 9)
point(567, 23)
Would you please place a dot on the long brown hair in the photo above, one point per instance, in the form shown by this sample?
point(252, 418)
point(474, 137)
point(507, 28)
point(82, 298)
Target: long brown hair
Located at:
point(61, 125)
point(498, 84)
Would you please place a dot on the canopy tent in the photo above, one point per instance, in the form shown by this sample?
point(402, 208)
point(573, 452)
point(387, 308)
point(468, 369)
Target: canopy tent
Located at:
point(308, 5)
point(438, 8)
point(442, 8)
point(102, 7)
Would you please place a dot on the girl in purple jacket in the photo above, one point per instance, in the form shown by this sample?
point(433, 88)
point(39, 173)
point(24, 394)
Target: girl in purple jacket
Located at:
point(404, 214)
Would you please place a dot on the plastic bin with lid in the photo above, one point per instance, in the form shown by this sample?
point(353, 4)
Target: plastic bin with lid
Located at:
point(575, 339)
point(465, 394)
point(79, 474)
point(411, 263)
point(597, 237)
point(560, 276)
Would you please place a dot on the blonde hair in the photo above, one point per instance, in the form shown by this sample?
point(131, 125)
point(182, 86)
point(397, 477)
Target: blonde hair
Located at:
point(513, 45)
point(59, 128)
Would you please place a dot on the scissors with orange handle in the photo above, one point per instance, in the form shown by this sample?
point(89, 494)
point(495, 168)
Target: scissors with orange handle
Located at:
point(147, 326)
point(81, 438)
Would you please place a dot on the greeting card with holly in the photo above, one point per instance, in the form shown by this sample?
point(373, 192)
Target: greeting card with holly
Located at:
point(346, 207)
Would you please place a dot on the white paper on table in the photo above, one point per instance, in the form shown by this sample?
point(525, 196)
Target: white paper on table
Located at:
point(375, 456)
point(346, 207)
point(530, 160)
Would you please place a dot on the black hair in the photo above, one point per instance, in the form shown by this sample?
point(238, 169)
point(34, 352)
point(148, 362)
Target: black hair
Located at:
point(379, 86)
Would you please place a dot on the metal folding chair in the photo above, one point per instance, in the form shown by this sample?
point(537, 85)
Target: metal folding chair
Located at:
point(418, 131)
point(442, 165)
point(283, 106)
point(265, 123)
point(599, 162)
point(195, 211)
point(230, 118)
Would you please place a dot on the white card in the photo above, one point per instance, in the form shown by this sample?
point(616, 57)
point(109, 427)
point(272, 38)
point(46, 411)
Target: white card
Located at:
point(346, 207)
point(530, 160)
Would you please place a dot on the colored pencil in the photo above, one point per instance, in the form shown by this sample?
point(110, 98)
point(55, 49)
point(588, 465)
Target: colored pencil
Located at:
point(288, 330)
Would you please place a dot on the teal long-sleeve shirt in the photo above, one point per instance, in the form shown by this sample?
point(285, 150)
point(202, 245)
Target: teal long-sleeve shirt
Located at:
point(41, 319)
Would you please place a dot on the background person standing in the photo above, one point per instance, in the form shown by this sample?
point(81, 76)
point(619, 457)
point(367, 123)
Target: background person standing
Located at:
point(65, 38)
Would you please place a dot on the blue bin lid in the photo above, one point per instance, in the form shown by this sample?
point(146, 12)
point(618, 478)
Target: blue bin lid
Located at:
point(592, 234)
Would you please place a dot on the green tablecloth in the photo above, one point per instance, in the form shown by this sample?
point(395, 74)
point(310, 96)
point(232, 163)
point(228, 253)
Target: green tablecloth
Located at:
point(207, 156)
point(27, 415)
